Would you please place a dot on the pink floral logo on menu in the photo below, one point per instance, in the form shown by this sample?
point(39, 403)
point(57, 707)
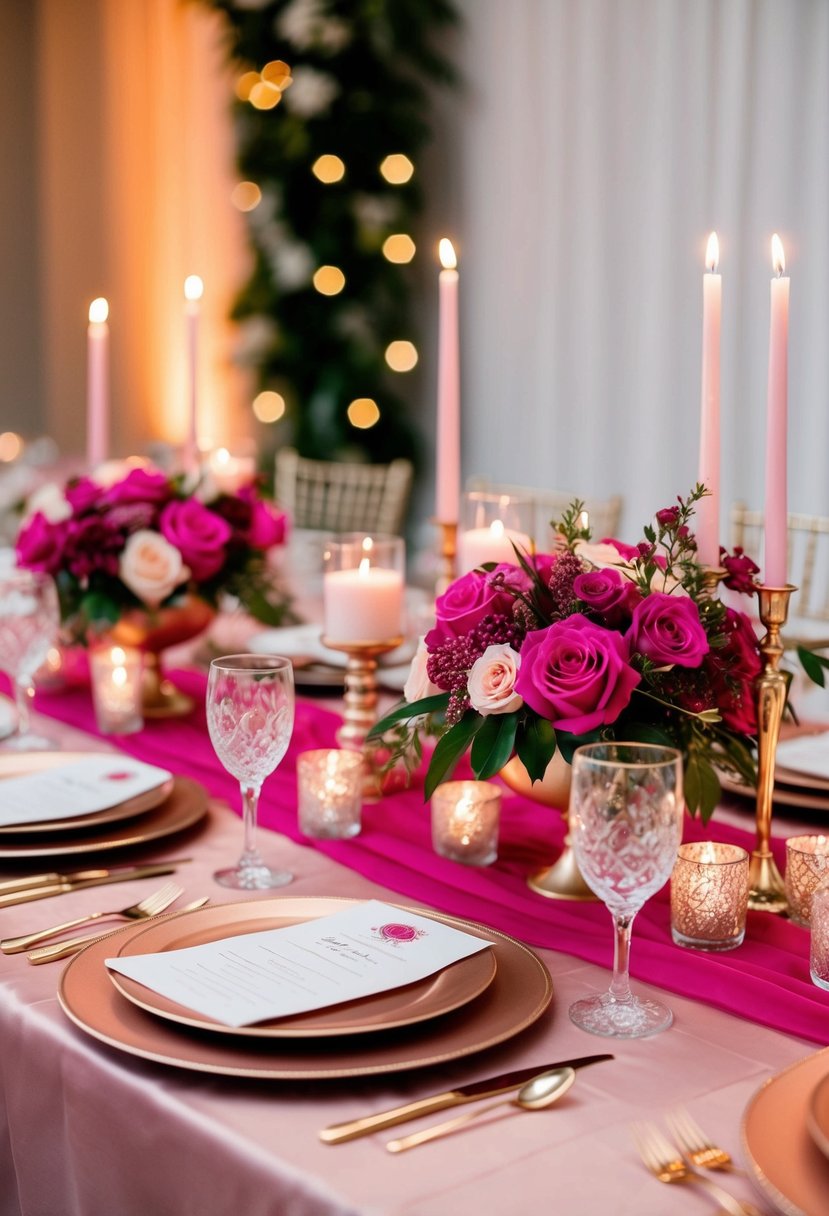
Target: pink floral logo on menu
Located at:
point(397, 933)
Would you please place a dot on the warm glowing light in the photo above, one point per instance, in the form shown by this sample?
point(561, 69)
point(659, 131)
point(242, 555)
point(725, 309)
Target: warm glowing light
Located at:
point(584, 521)
point(118, 656)
point(401, 356)
point(193, 287)
point(446, 253)
point(264, 95)
point(11, 445)
point(399, 248)
point(328, 168)
point(98, 311)
point(712, 253)
point(367, 544)
point(268, 406)
point(708, 853)
point(277, 73)
point(329, 280)
point(496, 529)
point(245, 196)
point(245, 83)
point(397, 169)
point(778, 257)
point(363, 413)
point(220, 458)
point(119, 675)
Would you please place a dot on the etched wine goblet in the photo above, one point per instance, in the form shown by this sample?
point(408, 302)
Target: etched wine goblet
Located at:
point(250, 718)
point(29, 623)
point(626, 810)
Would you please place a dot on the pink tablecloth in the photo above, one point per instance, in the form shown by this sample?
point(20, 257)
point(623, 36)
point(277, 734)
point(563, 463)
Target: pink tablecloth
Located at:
point(766, 979)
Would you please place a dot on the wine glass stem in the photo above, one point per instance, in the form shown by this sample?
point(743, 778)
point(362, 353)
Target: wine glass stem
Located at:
point(620, 986)
point(250, 802)
point(22, 694)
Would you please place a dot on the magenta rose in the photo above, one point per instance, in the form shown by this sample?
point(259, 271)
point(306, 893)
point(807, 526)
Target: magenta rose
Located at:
point(464, 605)
point(607, 595)
point(268, 525)
point(83, 494)
point(576, 674)
point(40, 544)
point(139, 485)
point(667, 630)
point(199, 535)
point(741, 571)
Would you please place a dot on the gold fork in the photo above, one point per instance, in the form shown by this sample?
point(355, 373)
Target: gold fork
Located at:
point(49, 954)
point(667, 1164)
point(695, 1145)
point(150, 905)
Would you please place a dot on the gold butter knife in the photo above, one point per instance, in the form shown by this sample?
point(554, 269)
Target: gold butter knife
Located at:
point(56, 876)
point(70, 884)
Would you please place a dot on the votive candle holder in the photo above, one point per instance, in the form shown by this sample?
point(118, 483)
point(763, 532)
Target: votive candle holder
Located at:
point(116, 673)
point(465, 820)
point(807, 865)
point(819, 944)
point(330, 793)
point(709, 895)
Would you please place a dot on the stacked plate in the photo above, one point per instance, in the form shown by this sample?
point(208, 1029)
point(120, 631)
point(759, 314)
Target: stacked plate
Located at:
point(175, 804)
point(786, 1137)
point(474, 1004)
point(801, 775)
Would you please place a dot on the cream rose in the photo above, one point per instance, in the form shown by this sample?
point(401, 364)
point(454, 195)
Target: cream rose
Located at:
point(491, 682)
point(50, 502)
point(151, 567)
point(418, 684)
point(603, 556)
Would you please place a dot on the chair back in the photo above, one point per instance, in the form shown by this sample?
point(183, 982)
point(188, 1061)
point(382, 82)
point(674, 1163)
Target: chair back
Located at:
point(808, 556)
point(335, 496)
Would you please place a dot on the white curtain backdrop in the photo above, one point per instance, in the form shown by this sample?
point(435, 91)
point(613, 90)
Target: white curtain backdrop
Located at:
point(595, 145)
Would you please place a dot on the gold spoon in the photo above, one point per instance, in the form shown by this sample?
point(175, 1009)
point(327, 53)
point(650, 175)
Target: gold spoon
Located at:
point(537, 1094)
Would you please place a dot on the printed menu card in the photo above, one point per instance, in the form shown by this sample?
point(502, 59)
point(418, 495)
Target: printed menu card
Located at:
point(79, 787)
point(365, 949)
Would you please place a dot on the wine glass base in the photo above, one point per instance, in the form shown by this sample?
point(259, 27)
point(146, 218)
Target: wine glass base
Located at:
point(28, 743)
point(633, 1019)
point(252, 878)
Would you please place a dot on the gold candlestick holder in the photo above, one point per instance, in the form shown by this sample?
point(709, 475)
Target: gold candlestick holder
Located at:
point(766, 890)
point(360, 699)
point(712, 576)
point(447, 553)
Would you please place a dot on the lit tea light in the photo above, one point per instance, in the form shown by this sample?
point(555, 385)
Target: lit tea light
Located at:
point(493, 524)
point(465, 820)
point(807, 866)
point(116, 673)
point(709, 895)
point(330, 793)
point(230, 473)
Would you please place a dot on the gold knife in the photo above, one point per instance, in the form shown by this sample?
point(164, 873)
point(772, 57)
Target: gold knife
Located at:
point(48, 880)
point(69, 884)
point(338, 1133)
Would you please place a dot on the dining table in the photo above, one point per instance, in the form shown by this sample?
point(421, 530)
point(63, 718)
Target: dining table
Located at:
point(89, 1126)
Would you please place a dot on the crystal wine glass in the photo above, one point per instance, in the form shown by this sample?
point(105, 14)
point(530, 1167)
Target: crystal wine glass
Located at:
point(29, 623)
point(626, 809)
point(250, 717)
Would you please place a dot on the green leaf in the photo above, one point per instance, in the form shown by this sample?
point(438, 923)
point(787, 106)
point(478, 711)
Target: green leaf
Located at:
point(702, 787)
point(813, 664)
point(646, 732)
point(535, 745)
point(493, 744)
point(567, 744)
point(409, 709)
point(450, 748)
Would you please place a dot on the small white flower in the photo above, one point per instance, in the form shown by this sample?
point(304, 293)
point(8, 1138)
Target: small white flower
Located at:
point(418, 684)
point(305, 24)
point(50, 502)
point(491, 682)
point(311, 92)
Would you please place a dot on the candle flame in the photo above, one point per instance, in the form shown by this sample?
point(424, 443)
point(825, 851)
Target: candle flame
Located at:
point(193, 287)
point(496, 529)
point(584, 520)
point(446, 252)
point(119, 676)
point(367, 545)
point(712, 253)
point(364, 567)
point(708, 854)
point(98, 311)
point(118, 656)
point(778, 257)
point(221, 457)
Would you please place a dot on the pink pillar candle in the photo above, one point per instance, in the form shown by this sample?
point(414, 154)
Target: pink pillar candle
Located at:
point(776, 516)
point(193, 291)
point(97, 384)
point(708, 508)
point(448, 470)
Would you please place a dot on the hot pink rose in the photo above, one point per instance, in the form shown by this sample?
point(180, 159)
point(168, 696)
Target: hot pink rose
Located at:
point(491, 683)
point(607, 595)
point(40, 544)
point(268, 525)
point(199, 535)
point(464, 605)
point(82, 494)
point(667, 630)
point(576, 674)
point(139, 485)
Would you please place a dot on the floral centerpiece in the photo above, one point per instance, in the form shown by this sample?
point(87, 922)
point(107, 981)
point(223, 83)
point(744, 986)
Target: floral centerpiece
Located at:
point(592, 642)
point(130, 538)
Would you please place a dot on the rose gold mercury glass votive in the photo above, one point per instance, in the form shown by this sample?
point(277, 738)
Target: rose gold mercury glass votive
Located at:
point(330, 788)
point(807, 865)
point(819, 945)
point(465, 819)
point(709, 895)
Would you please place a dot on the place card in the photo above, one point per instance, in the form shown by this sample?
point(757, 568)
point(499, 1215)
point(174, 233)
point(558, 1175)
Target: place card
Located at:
point(80, 787)
point(248, 978)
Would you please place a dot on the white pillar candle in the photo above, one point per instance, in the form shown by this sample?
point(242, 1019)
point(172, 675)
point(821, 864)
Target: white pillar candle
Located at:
point(363, 601)
point(448, 467)
point(193, 292)
point(229, 473)
point(776, 516)
point(97, 384)
point(492, 544)
point(708, 508)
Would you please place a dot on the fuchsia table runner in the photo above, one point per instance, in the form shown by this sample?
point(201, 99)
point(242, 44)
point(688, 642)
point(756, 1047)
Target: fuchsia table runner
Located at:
point(766, 979)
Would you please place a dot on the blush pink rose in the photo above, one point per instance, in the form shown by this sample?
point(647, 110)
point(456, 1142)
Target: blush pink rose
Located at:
point(40, 544)
point(491, 683)
point(464, 605)
point(418, 685)
point(151, 567)
point(576, 674)
point(199, 534)
point(667, 630)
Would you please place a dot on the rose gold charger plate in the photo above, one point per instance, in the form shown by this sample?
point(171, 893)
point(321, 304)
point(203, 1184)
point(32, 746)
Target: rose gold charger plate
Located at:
point(36, 762)
point(784, 795)
point(783, 1158)
point(450, 988)
point(185, 806)
point(518, 994)
point(817, 1117)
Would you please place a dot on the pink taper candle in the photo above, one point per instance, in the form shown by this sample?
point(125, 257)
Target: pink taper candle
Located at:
point(193, 291)
point(448, 471)
point(97, 384)
point(776, 538)
point(708, 508)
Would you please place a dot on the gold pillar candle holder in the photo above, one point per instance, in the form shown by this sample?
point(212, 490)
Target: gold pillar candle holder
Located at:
point(709, 895)
point(465, 820)
point(360, 699)
point(712, 576)
point(807, 866)
point(447, 553)
point(767, 892)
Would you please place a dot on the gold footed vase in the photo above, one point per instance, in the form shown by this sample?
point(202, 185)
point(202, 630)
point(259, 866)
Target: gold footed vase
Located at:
point(154, 632)
point(563, 879)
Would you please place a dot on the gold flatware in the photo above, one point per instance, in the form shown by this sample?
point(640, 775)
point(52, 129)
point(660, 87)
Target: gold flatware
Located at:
point(66, 885)
point(148, 906)
point(695, 1145)
point(50, 954)
point(668, 1165)
point(339, 1133)
point(539, 1093)
point(7, 885)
